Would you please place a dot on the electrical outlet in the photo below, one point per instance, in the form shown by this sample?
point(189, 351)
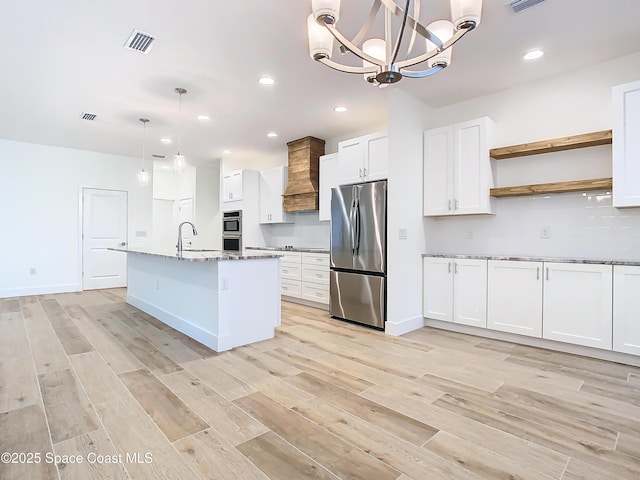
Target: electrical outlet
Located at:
point(545, 232)
point(468, 234)
point(157, 284)
point(224, 283)
point(32, 271)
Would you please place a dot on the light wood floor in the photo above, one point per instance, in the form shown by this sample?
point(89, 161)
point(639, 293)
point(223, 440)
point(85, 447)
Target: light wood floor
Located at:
point(86, 376)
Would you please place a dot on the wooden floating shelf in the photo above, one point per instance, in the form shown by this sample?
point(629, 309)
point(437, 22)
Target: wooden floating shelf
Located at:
point(558, 144)
point(556, 187)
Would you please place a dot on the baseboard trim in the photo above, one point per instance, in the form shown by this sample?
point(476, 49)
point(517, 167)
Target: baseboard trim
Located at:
point(608, 355)
point(39, 290)
point(407, 325)
point(302, 301)
point(208, 339)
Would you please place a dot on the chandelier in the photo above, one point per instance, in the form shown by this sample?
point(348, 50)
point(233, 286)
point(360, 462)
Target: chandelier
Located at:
point(381, 64)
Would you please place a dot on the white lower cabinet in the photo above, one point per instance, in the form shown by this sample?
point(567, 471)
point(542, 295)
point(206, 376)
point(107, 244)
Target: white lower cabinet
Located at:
point(514, 302)
point(577, 305)
point(626, 309)
point(455, 290)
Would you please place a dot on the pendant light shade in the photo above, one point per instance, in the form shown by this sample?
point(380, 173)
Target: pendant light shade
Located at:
point(443, 29)
point(327, 11)
point(466, 13)
point(320, 39)
point(179, 162)
point(143, 176)
point(376, 48)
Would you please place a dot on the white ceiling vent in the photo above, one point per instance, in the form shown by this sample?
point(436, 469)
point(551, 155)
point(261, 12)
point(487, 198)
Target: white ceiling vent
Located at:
point(518, 5)
point(88, 116)
point(140, 41)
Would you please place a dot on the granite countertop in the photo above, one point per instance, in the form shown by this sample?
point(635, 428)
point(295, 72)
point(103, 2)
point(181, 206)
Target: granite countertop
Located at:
point(537, 259)
point(296, 249)
point(196, 255)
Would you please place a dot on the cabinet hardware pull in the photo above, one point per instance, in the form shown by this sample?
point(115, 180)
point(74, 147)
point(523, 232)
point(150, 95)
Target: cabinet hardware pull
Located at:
point(537, 273)
point(449, 204)
point(457, 204)
point(364, 172)
point(456, 269)
point(547, 273)
point(449, 265)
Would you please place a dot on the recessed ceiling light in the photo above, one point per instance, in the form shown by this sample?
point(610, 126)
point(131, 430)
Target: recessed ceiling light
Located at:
point(340, 109)
point(166, 141)
point(266, 80)
point(226, 152)
point(272, 134)
point(204, 118)
point(532, 55)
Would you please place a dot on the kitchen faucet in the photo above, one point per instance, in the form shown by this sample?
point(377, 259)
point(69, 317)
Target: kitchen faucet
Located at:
point(179, 245)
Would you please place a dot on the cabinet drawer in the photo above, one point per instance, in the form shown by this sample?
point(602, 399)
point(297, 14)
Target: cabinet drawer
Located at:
point(321, 259)
point(313, 274)
point(291, 257)
point(315, 293)
point(290, 288)
point(290, 271)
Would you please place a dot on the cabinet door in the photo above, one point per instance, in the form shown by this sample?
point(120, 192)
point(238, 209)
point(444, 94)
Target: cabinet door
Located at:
point(437, 282)
point(266, 196)
point(626, 145)
point(376, 165)
point(626, 309)
point(350, 161)
point(328, 180)
point(470, 292)
point(577, 305)
point(472, 167)
point(272, 185)
point(232, 186)
point(438, 172)
point(514, 297)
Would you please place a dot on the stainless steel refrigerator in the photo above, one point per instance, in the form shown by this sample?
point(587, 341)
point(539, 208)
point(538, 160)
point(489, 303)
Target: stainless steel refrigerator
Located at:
point(359, 253)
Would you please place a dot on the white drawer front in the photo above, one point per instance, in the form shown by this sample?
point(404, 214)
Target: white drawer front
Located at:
point(290, 288)
point(313, 274)
point(315, 293)
point(291, 257)
point(321, 259)
point(290, 271)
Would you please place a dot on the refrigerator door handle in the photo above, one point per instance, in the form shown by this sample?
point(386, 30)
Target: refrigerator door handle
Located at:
point(358, 221)
point(352, 213)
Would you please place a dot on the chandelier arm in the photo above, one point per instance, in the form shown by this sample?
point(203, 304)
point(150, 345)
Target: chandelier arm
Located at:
point(357, 40)
point(415, 25)
point(353, 48)
point(426, 56)
point(416, 14)
point(396, 49)
point(347, 68)
point(422, 73)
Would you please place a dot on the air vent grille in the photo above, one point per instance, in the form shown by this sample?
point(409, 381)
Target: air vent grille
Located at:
point(88, 116)
point(140, 41)
point(157, 155)
point(518, 5)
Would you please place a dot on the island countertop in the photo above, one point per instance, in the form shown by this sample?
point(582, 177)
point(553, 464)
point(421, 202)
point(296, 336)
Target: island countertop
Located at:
point(196, 255)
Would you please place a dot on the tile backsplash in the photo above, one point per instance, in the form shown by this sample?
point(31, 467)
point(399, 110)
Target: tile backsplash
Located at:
point(578, 225)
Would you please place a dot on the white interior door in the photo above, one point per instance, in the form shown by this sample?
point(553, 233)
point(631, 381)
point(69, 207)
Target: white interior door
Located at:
point(104, 225)
point(184, 213)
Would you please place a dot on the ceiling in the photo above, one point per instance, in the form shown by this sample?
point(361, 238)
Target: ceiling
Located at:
point(63, 58)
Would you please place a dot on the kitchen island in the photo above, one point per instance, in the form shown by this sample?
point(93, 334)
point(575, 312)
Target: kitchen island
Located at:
point(221, 299)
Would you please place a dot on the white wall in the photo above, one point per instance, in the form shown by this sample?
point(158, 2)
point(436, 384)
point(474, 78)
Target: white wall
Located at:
point(40, 194)
point(208, 219)
point(404, 212)
point(582, 227)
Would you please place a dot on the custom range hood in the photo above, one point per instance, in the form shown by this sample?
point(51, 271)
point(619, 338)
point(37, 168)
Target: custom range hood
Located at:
point(301, 194)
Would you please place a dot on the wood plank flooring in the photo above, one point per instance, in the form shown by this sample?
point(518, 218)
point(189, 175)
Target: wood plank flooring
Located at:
point(84, 375)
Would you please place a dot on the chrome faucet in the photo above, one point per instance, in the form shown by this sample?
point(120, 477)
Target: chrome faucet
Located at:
point(195, 232)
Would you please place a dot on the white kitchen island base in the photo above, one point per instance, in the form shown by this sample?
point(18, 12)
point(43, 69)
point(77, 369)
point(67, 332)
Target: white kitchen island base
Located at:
point(220, 301)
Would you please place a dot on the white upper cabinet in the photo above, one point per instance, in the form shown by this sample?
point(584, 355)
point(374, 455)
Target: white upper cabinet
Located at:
point(626, 145)
point(626, 309)
point(328, 180)
point(232, 186)
point(363, 159)
point(458, 170)
point(577, 306)
point(272, 185)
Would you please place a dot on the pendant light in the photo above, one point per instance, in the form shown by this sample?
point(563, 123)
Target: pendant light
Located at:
point(179, 161)
point(143, 177)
